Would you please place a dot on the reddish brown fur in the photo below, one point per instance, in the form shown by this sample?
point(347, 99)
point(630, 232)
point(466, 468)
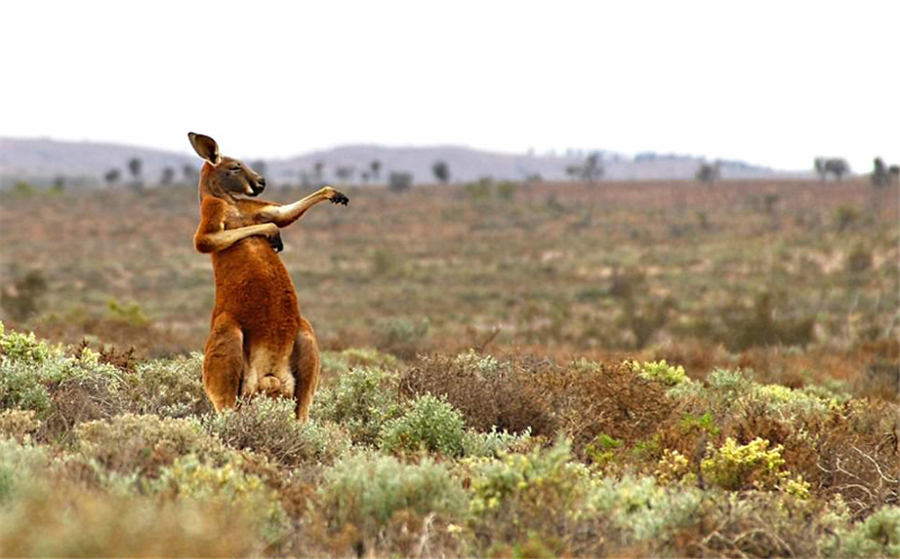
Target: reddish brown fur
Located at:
point(258, 340)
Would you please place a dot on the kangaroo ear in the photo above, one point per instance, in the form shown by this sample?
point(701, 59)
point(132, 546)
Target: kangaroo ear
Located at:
point(206, 147)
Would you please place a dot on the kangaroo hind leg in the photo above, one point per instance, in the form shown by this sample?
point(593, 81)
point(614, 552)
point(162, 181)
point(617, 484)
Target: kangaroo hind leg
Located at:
point(223, 362)
point(305, 367)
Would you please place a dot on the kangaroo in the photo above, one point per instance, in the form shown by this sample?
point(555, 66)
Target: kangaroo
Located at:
point(258, 342)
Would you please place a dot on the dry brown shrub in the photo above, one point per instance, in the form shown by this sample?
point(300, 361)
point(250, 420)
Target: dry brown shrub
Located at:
point(78, 400)
point(582, 399)
point(696, 356)
point(851, 451)
point(124, 360)
point(143, 443)
point(858, 457)
point(751, 525)
point(610, 398)
point(504, 397)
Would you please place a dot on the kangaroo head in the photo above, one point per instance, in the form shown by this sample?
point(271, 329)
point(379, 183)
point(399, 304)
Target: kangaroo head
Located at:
point(224, 177)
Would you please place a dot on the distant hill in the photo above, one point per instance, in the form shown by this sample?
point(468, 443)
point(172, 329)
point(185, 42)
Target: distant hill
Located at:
point(41, 160)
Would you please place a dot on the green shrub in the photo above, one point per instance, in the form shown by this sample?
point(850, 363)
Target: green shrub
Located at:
point(269, 426)
point(23, 347)
point(789, 404)
point(62, 389)
point(529, 487)
point(190, 477)
point(361, 401)
point(876, 536)
point(19, 463)
point(601, 450)
point(660, 371)
point(367, 490)
point(169, 388)
point(642, 510)
point(750, 466)
point(429, 423)
point(728, 384)
point(21, 387)
point(702, 422)
point(143, 444)
point(494, 443)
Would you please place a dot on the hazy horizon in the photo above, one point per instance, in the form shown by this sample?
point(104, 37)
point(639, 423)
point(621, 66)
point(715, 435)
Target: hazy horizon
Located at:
point(772, 84)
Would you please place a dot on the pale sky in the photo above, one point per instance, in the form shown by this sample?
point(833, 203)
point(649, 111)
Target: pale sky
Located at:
point(772, 83)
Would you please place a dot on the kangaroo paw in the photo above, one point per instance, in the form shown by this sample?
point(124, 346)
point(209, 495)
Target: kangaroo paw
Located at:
point(340, 198)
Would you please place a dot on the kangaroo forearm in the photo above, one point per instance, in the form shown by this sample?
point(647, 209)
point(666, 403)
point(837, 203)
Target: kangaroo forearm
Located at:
point(220, 240)
point(282, 216)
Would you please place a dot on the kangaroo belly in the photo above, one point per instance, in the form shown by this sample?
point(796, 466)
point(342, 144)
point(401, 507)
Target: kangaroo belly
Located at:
point(253, 286)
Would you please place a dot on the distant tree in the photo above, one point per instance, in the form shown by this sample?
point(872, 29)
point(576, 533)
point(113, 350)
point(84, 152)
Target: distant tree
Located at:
point(831, 165)
point(168, 176)
point(819, 166)
point(399, 181)
point(59, 183)
point(880, 176)
point(344, 173)
point(112, 176)
point(134, 167)
point(894, 173)
point(365, 175)
point(593, 167)
point(375, 167)
point(441, 171)
point(708, 173)
point(318, 169)
point(590, 171)
point(837, 167)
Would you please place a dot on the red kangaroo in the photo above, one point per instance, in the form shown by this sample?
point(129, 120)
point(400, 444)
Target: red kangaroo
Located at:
point(258, 342)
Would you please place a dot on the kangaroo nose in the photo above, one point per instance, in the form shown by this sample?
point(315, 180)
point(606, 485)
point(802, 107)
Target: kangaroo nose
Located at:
point(262, 181)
